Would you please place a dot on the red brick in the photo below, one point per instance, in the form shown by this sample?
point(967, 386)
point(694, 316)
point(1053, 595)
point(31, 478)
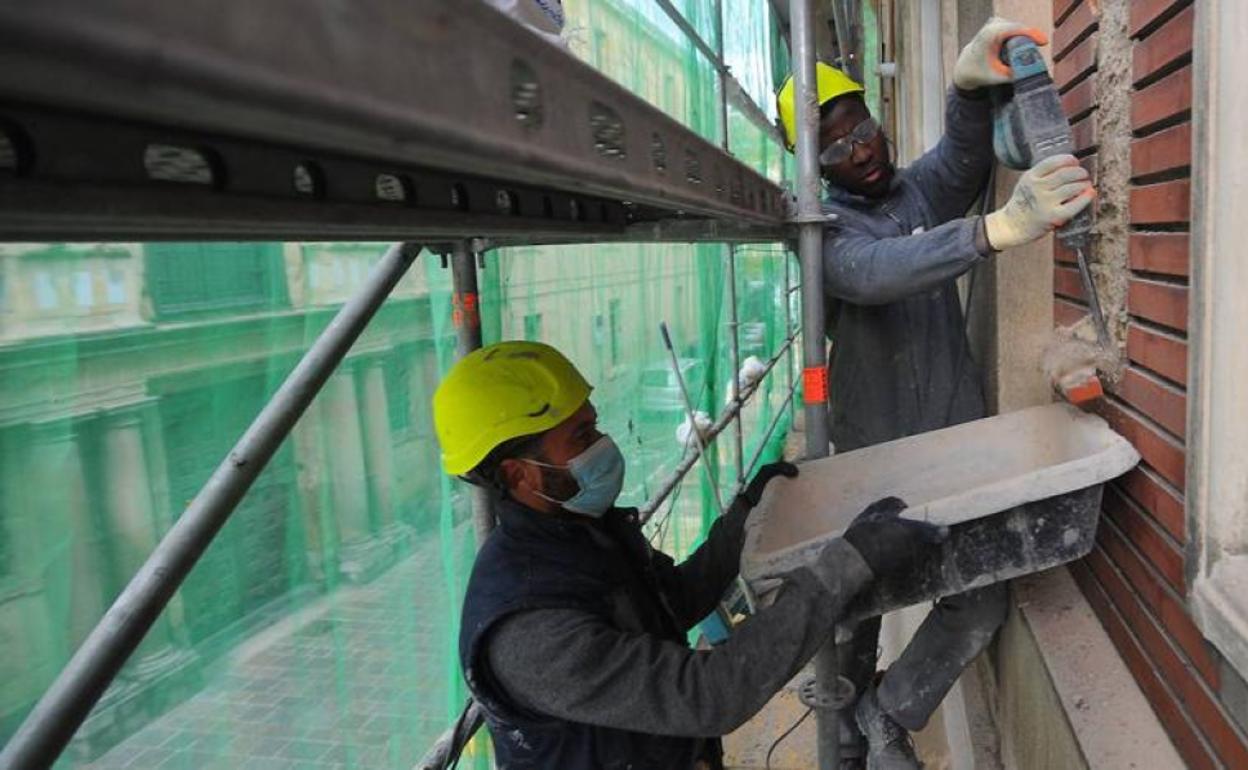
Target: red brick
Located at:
point(1167, 149)
point(1147, 537)
point(1200, 704)
point(1166, 202)
point(1169, 43)
point(1164, 602)
point(1063, 255)
point(1080, 99)
point(1083, 133)
point(1199, 701)
point(1153, 495)
point(1170, 96)
point(1072, 28)
point(1161, 452)
point(1145, 12)
point(1158, 351)
point(1061, 8)
point(1165, 253)
point(1162, 303)
point(1066, 283)
point(1157, 398)
point(1164, 403)
point(1175, 721)
point(1066, 313)
point(1181, 678)
point(1080, 61)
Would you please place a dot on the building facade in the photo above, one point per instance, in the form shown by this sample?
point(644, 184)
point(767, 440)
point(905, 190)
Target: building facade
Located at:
point(1136, 655)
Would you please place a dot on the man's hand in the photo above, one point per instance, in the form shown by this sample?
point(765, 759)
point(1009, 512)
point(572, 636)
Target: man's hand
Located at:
point(980, 63)
point(1047, 195)
point(754, 491)
point(887, 542)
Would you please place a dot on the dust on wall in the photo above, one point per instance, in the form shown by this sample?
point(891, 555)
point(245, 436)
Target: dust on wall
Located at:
point(1109, 260)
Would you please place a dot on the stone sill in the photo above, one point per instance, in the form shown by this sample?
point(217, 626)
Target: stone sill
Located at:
point(1099, 702)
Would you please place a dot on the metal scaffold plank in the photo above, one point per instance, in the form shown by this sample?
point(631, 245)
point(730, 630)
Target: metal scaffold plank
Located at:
point(380, 118)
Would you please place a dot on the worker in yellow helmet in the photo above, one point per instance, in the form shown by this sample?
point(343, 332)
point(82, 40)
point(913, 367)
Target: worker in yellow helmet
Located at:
point(574, 629)
point(895, 243)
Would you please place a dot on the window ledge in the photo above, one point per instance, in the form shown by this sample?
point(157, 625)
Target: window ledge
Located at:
point(1220, 606)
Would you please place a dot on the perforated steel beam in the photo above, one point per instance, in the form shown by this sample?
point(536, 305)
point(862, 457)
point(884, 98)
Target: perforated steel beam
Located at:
point(381, 117)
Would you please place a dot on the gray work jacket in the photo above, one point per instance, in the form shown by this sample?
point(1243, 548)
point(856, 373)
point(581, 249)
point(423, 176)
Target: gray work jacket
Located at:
point(611, 671)
point(900, 363)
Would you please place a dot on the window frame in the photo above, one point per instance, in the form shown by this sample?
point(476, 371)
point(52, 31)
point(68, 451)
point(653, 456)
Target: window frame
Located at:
point(1217, 458)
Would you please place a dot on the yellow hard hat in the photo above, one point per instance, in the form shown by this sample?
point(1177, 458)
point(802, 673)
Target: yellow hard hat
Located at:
point(831, 84)
point(501, 392)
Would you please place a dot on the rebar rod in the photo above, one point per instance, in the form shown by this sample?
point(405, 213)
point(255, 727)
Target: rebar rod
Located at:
point(673, 480)
point(771, 428)
point(691, 415)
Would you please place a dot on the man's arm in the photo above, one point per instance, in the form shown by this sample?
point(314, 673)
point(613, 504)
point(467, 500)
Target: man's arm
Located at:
point(573, 665)
point(866, 270)
point(701, 580)
point(951, 174)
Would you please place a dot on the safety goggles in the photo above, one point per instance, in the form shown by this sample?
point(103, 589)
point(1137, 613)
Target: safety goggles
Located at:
point(840, 150)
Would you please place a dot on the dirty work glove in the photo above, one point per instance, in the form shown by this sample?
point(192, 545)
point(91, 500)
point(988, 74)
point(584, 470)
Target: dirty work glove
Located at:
point(886, 541)
point(980, 63)
point(1046, 196)
point(841, 570)
point(754, 491)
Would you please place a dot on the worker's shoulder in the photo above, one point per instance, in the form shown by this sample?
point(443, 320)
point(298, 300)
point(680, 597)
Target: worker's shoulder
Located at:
point(854, 214)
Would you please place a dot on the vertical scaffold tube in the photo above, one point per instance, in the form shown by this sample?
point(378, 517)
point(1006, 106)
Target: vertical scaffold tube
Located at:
point(466, 316)
point(810, 231)
point(814, 373)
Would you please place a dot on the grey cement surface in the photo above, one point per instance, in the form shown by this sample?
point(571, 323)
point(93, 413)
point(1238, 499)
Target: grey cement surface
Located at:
point(947, 477)
point(1062, 681)
point(358, 680)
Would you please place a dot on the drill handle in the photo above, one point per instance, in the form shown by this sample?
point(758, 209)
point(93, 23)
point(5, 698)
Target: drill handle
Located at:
point(1021, 54)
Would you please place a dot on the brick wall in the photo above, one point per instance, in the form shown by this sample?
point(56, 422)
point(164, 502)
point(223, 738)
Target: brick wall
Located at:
point(1135, 578)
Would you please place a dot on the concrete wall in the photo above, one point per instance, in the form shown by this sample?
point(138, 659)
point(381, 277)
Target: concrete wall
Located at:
point(1010, 316)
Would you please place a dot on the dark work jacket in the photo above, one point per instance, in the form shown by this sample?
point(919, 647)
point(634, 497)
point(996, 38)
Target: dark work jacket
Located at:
point(900, 363)
point(534, 562)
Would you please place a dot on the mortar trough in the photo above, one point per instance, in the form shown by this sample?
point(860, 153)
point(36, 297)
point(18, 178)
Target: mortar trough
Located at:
point(1020, 493)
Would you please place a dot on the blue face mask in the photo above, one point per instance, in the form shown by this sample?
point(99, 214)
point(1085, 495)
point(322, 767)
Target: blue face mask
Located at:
point(599, 472)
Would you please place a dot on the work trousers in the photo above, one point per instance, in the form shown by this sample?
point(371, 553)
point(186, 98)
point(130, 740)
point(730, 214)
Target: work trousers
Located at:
point(957, 629)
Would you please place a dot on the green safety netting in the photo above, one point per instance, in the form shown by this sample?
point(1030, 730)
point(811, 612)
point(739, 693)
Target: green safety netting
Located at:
point(320, 627)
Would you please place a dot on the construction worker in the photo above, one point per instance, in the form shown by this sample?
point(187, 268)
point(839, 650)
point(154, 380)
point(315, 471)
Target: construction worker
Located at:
point(574, 629)
point(900, 362)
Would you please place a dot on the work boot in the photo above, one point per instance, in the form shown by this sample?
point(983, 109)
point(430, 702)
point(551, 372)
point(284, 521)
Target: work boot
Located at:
point(889, 746)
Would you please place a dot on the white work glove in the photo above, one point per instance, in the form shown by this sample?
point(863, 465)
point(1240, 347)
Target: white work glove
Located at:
point(545, 17)
point(702, 423)
point(1046, 197)
point(980, 63)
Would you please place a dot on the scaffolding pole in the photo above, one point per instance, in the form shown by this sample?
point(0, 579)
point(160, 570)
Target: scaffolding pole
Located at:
point(788, 332)
point(734, 328)
point(58, 714)
point(814, 374)
point(466, 316)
